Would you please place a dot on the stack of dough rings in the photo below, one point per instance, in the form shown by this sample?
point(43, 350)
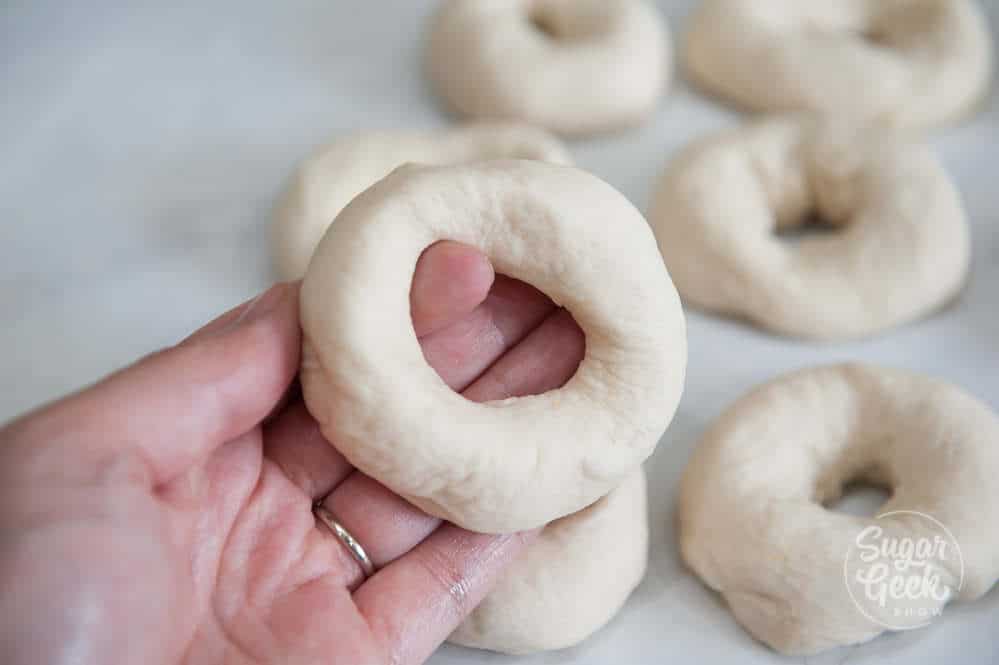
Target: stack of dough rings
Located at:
point(849, 80)
point(572, 455)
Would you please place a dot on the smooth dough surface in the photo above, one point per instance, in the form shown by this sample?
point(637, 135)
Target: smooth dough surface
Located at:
point(905, 63)
point(512, 464)
point(339, 171)
point(752, 522)
point(572, 66)
point(573, 580)
point(897, 242)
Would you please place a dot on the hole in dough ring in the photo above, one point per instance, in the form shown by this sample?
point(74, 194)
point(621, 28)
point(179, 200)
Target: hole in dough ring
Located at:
point(326, 182)
point(571, 66)
point(574, 578)
point(900, 247)
point(518, 463)
point(752, 523)
point(909, 63)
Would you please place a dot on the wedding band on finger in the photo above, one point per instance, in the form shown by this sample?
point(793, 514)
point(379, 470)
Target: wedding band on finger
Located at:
point(353, 546)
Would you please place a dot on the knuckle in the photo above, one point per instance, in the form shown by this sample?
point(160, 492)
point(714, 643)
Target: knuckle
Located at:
point(448, 577)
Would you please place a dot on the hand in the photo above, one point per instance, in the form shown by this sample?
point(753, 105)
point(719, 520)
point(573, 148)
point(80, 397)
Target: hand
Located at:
point(165, 514)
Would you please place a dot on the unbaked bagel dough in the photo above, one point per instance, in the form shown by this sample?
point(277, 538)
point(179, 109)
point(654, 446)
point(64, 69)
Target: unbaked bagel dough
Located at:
point(338, 172)
point(570, 582)
point(751, 517)
point(897, 250)
point(512, 464)
point(906, 63)
point(572, 66)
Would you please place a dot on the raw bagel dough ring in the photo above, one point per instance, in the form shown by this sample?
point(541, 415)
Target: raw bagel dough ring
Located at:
point(571, 581)
point(336, 173)
point(572, 66)
point(907, 63)
point(513, 464)
point(752, 523)
point(899, 248)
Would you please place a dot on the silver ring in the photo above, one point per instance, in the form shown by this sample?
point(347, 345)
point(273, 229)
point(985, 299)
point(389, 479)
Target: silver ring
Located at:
point(354, 547)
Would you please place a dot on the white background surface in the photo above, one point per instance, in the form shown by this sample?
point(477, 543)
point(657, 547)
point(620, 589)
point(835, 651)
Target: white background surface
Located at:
point(142, 147)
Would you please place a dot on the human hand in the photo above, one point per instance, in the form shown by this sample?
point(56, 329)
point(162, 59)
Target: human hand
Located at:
point(165, 514)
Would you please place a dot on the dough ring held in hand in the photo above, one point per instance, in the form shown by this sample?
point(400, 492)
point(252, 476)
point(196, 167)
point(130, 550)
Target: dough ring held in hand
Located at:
point(326, 182)
point(896, 245)
point(570, 582)
point(905, 63)
point(572, 66)
point(512, 464)
point(752, 521)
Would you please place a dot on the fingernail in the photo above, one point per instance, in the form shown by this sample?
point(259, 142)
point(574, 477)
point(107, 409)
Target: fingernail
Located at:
point(259, 307)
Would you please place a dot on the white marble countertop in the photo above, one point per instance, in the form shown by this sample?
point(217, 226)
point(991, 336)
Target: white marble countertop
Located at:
point(143, 147)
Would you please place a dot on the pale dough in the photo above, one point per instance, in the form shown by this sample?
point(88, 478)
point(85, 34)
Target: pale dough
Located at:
point(571, 581)
point(751, 517)
point(336, 173)
point(898, 249)
point(906, 63)
point(518, 463)
point(572, 66)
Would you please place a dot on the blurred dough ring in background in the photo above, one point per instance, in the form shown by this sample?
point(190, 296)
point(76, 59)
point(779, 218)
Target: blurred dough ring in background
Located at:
point(908, 63)
point(751, 519)
point(512, 464)
point(899, 247)
point(572, 66)
point(326, 182)
point(571, 581)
